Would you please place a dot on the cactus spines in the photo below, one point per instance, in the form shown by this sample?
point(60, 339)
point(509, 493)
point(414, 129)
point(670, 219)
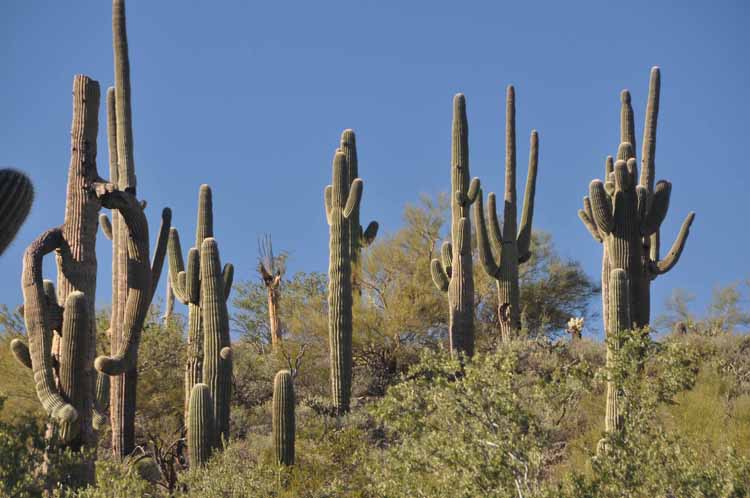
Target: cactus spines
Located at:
point(283, 418)
point(187, 288)
point(625, 212)
point(200, 425)
point(16, 196)
point(511, 245)
point(455, 275)
point(217, 358)
point(101, 401)
point(341, 198)
point(358, 237)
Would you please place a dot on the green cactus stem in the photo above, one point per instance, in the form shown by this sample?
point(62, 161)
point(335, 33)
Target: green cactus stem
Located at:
point(200, 425)
point(505, 248)
point(283, 418)
point(101, 401)
point(73, 367)
point(16, 197)
point(455, 275)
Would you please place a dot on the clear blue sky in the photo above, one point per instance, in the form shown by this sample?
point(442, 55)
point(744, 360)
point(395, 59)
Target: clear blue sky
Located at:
point(250, 97)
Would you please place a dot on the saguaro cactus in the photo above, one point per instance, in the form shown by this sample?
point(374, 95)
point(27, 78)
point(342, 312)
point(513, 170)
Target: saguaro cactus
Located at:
point(16, 196)
point(341, 199)
point(283, 418)
point(200, 425)
point(625, 213)
point(187, 286)
point(358, 237)
point(455, 275)
point(510, 246)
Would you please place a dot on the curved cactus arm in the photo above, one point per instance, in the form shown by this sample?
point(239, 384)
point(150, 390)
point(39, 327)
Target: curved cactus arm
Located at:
point(16, 197)
point(160, 251)
point(368, 236)
point(227, 275)
point(73, 347)
point(105, 225)
point(496, 228)
point(648, 166)
point(483, 245)
point(439, 276)
point(666, 264)
point(177, 266)
point(527, 214)
point(446, 254)
point(658, 209)
point(601, 207)
point(139, 281)
point(587, 217)
point(625, 151)
point(37, 326)
point(354, 198)
point(474, 189)
point(101, 401)
point(20, 352)
point(327, 200)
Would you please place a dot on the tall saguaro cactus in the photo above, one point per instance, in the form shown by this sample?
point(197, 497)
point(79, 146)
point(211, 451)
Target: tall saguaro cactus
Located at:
point(188, 288)
point(283, 418)
point(625, 212)
point(341, 198)
point(16, 196)
point(510, 245)
point(62, 340)
point(142, 285)
point(455, 276)
point(358, 237)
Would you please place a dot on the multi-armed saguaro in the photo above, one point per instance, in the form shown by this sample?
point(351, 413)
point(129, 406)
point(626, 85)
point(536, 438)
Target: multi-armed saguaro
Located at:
point(455, 275)
point(358, 237)
point(283, 418)
point(62, 339)
point(205, 287)
point(341, 198)
point(16, 196)
point(625, 213)
point(124, 342)
point(510, 246)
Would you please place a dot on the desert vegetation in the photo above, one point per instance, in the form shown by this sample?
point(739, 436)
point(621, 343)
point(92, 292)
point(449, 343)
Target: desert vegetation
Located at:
point(405, 371)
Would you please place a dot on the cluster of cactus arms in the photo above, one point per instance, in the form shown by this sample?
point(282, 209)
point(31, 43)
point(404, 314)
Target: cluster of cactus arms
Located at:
point(283, 418)
point(625, 213)
point(341, 199)
point(16, 196)
point(506, 247)
point(129, 288)
point(455, 275)
point(204, 286)
point(358, 237)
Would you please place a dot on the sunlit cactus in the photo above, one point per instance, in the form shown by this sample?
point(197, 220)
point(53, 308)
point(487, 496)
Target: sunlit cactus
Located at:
point(200, 425)
point(283, 418)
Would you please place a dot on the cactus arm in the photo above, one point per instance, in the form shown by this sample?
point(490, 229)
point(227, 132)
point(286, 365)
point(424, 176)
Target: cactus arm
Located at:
point(327, 199)
point(474, 188)
point(21, 352)
point(648, 166)
point(439, 276)
point(485, 251)
point(658, 209)
point(666, 264)
point(587, 217)
point(101, 401)
point(496, 228)
point(627, 123)
point(177, 266)
point(370, 232)
point(446, 254)
point(37, 326)
point(510, 206)
point(16, 197)
point(601, 207)
point(73, 347)
point(160, 251)
point(204, 226)
point(527, 213)
point(105, 225)
point(192, 276)
point(642, 200)
point(354, 198)
point(126, 176)
point(200, 425)
point(227, 275)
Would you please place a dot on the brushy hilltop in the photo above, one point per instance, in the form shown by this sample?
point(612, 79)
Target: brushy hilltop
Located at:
point(360, 383)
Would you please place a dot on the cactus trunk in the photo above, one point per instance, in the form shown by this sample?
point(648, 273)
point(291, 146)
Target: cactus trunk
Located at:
point(200, 425)
point(283, 418)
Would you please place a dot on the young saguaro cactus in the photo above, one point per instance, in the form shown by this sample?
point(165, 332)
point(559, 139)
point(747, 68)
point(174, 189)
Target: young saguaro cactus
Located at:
point(510, 246)
point(625, 212)
point(200, 425)
point(283, 418)
point(16, 196)
point(455, 275)
point(341, 199)
point(187, 287)
point(358, 237)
